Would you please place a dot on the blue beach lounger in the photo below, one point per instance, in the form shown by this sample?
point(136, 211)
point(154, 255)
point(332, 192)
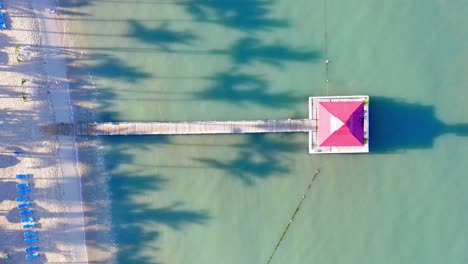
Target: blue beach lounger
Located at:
point(22, 185)
point(32, 256)
point(30, 234)
point(24, 205)
point(22, 176)
point(2, 21)
point(30, 240)
point(29, 226)
point(27, 220)
point(25, 213)
point(22, 199)
point(31, 249)
point(24, 191)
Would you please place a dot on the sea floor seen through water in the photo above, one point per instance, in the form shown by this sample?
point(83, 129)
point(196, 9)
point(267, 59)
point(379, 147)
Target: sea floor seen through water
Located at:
point(227, 198)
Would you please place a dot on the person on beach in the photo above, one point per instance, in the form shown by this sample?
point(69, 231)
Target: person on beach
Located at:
point(51, 11)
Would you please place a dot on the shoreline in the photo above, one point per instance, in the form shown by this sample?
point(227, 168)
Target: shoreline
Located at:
point(51, 161)
point(98, 241)
point(55, 66)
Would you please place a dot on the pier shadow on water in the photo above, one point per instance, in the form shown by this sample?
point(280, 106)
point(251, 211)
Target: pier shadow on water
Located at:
point(397, 125)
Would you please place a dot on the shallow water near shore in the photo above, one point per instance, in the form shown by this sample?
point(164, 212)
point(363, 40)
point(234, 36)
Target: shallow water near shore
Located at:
point(228, 198)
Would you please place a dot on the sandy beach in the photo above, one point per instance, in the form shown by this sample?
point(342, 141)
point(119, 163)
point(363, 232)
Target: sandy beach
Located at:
point(34, 92)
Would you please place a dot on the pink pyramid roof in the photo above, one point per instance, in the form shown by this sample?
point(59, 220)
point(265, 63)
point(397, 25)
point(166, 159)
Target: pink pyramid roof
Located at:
point(341, 123)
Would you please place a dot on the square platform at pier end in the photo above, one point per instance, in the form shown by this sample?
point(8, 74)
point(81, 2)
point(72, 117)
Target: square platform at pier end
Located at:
point(342, 124)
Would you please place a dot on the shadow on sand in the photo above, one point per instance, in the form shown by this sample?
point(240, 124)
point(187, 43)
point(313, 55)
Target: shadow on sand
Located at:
point(8, 161)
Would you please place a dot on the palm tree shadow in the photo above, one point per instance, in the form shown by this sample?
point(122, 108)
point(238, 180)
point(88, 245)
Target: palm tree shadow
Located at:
point(247, 167)
point(237, 88)
point(137, 219)
point(258, 158)
point(3, 58)
point(397, 125)
point(245, 15)
point(74, 3)
point(137, 223)
point(8, 161)
point(249, 50)
point(161, 36)
point(107, 66)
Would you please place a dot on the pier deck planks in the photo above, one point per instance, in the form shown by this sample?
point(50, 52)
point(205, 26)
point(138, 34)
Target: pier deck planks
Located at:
point(195, 128)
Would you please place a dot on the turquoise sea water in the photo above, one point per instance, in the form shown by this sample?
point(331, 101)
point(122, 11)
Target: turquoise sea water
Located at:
point(227, 199)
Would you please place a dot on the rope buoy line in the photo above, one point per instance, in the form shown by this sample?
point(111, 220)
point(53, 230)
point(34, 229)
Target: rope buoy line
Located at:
point(294, 215)
point(326, 41)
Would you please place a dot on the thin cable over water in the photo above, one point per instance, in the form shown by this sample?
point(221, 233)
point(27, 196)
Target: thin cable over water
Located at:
point(294, 214)
point(326, 41)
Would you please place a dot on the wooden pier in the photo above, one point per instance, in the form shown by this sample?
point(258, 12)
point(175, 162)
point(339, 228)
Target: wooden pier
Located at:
point(184, 128)
point(336, 124)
